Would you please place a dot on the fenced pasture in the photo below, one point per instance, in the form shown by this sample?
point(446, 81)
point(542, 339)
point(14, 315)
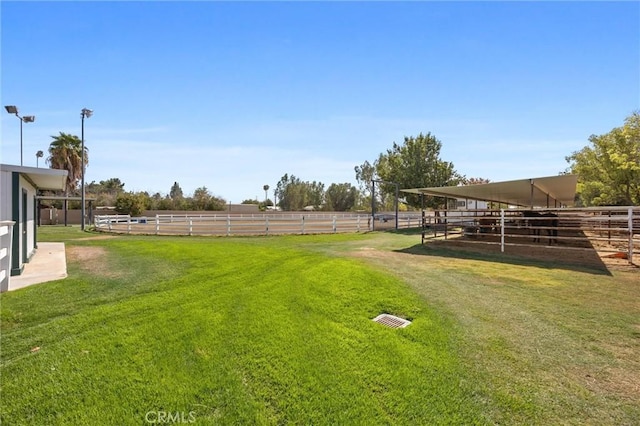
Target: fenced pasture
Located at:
point(252, 224)
point(610, 231)
point(582, 233)
point(279, 330)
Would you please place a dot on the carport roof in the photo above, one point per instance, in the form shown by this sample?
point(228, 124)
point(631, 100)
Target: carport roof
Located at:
point(51, 179)
point(533, 192)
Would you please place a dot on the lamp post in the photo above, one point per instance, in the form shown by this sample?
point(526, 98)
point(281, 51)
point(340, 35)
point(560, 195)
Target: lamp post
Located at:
point(85, 113)
point(12, 109)
point(266, 196)
point(39, 155)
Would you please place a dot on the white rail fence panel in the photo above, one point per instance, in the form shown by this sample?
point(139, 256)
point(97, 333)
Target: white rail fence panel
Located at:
point(235, 224)
point(6, 236)
point(608, 230)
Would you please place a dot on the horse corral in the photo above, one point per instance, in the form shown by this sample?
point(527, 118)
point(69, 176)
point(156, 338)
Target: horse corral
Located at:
point(236, 224)
point(607, 233)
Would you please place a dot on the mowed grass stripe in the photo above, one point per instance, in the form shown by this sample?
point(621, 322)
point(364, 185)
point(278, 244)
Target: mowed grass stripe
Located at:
point(249, 331)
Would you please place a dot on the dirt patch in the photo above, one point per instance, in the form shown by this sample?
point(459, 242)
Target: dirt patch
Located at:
point(99, 237)
point(92, 259)
point(561, 252)
point(618, 381)
point(372, 253)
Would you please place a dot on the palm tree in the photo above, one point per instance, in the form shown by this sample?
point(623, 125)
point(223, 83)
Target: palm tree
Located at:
point(266, 197)
point(65, 154)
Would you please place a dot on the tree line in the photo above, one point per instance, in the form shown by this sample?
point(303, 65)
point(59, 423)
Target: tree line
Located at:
point(608, 172)
point(609, 168)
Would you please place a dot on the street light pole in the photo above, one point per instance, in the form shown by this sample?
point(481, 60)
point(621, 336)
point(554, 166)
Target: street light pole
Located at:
point(20, 139)
point(12, 109)
point(84, 113)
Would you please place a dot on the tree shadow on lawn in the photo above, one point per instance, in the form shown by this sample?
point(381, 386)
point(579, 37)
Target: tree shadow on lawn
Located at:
point(583, 261)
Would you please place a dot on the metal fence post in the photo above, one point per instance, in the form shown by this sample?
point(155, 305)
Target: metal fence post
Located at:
point(266, 220)
point(502, 230)
point(335, 228)
point(303, 224)
point(630, 256)
point(228, 225)
point(190, 227)
point(157, 225)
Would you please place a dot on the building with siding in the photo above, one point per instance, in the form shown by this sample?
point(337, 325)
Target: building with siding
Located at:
point(19, 188)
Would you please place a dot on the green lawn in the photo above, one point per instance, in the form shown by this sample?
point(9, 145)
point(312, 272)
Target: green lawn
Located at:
point(278, 330)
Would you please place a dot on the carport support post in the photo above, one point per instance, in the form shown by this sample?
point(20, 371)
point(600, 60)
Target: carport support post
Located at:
point(424, 219)
point(531, 199)
point(397, 190)
point(501, 230)
point(373, 205)
point(446, 225)
point(630, 224)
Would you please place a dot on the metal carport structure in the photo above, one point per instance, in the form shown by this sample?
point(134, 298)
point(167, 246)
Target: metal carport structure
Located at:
point(581, 228)
point(549, 191)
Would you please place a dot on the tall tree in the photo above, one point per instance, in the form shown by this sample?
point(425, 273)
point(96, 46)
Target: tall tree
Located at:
point(294, 194)
point(112, 186)
point(416, 163)
point(216, 203)
point(315, 192)
point(201, 197)
point(473, 181)
point(340, 197)
point(65, 153)
point(106, 191)
point(130, 203)
point(609, 170)
point(176, 192)
point(364, 174)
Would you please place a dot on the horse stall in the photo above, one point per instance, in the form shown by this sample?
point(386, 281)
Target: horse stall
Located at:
point(533, 220)
point(610, 232)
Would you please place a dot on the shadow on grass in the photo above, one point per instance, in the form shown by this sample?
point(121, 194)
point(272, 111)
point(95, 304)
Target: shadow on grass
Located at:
point(443, 249)
point(403, 231)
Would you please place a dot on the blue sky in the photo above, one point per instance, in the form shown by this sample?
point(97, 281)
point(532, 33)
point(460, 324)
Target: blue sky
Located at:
point(233, 95)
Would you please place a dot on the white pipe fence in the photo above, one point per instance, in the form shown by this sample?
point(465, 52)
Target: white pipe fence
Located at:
point(249, 224)
point(609, 229)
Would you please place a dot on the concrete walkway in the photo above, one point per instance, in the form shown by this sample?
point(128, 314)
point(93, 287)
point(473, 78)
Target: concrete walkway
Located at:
point(47, 264)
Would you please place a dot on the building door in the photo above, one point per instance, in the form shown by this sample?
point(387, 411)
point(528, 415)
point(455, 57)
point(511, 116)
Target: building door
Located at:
point(24, 225)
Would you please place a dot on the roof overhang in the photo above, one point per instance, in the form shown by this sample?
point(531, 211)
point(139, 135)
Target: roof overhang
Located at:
point(41, 178)
point(550, 191)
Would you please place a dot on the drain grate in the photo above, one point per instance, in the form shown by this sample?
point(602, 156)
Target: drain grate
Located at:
point(391, 321)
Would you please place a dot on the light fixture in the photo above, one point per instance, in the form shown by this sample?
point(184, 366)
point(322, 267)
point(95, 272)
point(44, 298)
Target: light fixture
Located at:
point(12, 109)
